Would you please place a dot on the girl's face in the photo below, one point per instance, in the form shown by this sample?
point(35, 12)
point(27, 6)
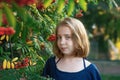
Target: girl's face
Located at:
point(64, 40)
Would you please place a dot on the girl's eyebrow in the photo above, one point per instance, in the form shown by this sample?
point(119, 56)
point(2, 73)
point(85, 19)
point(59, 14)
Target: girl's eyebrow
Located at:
point(65, 35)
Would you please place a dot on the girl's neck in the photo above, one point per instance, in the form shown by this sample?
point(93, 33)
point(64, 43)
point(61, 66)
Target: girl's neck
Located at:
point(65, 64)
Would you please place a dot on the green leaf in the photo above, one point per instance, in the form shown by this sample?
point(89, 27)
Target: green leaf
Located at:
point(83, 5)
point(24, 33)
point(21, 12)
point(10, 16)
point(1, 50)
point(60, 5)
point(0, 17)
point(47, 3)
point(71, 6)
point(18, 30)
point(118, 27)
point(48, 19)
point(110, 4)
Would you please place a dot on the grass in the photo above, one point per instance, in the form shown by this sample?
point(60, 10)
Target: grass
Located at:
point(110, 77)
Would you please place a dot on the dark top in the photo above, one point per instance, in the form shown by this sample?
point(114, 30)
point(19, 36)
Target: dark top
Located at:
point(88, 73)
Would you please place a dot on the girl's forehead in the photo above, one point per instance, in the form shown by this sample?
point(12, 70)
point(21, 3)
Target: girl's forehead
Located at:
point(64, 30)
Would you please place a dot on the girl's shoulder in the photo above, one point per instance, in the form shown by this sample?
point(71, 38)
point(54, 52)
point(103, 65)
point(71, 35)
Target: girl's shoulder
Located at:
point(87, 63)
point(55, 59)
point(51, 58)
point(91, 66)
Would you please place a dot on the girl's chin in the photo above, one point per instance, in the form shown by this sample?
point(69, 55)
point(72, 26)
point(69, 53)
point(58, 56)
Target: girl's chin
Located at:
point(66, 53)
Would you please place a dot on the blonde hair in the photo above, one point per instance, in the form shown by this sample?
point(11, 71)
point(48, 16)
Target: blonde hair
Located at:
point(79, 36)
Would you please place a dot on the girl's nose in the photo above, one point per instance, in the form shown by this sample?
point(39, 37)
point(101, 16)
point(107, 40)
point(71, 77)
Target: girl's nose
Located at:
point(62, 41)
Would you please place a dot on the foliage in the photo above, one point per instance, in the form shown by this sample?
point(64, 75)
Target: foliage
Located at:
point(33, 22)
point(110, 77)
point(105, 14)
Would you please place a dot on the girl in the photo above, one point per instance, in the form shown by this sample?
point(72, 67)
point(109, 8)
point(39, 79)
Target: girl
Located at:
point(71, 48)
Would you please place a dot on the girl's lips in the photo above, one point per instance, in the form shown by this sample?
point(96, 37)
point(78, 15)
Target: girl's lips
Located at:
point(63, 48)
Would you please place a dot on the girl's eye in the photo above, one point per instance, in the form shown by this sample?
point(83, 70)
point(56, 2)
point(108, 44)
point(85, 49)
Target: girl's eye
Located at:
point(68, 37)
point(58, 37)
